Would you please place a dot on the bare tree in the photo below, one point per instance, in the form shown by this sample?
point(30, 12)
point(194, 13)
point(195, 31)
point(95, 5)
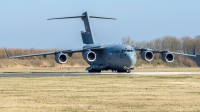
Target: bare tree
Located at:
point(197, 44)
point(188, 44)
point(127, 40)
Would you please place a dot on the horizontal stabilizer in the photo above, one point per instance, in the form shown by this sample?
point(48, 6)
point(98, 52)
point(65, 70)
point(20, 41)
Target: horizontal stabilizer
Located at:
point(101, 17)
point(81, 17)
point(67, 17)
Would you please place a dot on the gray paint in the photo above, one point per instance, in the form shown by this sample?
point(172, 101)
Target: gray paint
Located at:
point(196, 59)
point(88, 35)
point(112, 57)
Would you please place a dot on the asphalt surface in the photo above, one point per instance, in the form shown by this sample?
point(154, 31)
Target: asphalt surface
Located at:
point(91, 74)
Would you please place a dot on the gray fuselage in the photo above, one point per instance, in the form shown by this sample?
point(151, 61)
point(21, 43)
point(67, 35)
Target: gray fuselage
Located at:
point(113, 57)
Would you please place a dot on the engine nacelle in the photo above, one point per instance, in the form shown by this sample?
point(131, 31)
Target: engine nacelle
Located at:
point(147, 55)
point(61, 58)
point(167, 57)
point(89, 56)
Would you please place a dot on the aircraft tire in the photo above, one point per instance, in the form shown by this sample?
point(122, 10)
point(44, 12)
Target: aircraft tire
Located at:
point(94, 71)
point(128, 71)
point(114, 70)
point(121, 71)
point(98, 71)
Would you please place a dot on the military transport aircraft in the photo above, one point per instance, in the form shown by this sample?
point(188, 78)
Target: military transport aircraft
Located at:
point(115, 57)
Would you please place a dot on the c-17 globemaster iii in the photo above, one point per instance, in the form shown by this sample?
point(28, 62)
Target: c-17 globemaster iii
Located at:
point(115, 57)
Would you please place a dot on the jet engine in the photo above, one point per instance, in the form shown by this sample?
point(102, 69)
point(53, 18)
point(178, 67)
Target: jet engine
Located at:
point(89, 56)
point(167, 57)
point(147, 55)
point(61, 58)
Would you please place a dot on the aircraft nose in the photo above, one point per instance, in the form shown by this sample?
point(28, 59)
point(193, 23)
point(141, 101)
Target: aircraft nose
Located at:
point(130, 60)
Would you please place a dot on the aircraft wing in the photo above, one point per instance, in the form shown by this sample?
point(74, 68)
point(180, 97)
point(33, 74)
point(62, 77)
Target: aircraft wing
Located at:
point(93, 48)
point(44, 53)
point(29, 55)
point(69, 51)
point(162, 51)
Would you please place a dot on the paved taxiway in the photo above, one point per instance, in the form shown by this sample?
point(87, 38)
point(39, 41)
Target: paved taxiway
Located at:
point(85, 74)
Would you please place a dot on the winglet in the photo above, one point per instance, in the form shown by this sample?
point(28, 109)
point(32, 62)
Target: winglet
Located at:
point(6, 52)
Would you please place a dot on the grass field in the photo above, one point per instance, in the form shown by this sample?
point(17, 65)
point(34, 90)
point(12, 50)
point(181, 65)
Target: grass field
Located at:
point(100, 93)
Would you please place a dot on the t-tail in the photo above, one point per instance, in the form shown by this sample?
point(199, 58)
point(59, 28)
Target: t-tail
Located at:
point(87, 36)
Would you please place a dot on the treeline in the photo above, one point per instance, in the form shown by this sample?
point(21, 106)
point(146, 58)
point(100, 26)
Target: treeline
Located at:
point(170, 43)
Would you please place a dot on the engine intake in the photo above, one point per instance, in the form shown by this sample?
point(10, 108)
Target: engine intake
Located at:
point(61, 58)
point(147, 55)
point(89, 56)
point(167, 57)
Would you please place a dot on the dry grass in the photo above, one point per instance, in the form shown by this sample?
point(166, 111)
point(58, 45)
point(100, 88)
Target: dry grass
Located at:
point(101, 93)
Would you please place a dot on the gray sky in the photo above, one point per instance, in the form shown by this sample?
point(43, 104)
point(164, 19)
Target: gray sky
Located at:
point(24, 24)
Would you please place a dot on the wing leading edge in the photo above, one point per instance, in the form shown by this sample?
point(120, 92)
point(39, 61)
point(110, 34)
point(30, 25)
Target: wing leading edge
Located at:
point(161, 51)
point(69, 52)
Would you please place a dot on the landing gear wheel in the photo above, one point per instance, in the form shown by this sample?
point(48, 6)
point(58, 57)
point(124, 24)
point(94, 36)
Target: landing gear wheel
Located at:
point(121, 71)
point(128, 71)
point(98, 71)
point(90, 71)
point(114, 70)
point(94, 71)
point(124, 71)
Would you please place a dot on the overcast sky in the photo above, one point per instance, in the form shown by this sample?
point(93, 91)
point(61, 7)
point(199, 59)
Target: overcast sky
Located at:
point(24, 24)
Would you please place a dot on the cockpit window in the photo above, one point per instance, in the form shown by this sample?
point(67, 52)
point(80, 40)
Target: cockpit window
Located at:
point(125, 50)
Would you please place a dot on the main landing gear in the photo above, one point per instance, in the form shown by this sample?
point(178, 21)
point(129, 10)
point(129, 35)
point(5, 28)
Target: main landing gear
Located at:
point(128, 71)
point(118, 71)
point(122, 71)
point(94, 71)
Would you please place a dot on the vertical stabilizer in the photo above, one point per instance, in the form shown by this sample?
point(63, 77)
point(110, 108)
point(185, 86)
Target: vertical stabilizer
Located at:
point(88, 35)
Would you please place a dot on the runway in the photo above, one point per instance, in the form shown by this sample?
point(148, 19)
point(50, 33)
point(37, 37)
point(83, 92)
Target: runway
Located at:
point(92, 74)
